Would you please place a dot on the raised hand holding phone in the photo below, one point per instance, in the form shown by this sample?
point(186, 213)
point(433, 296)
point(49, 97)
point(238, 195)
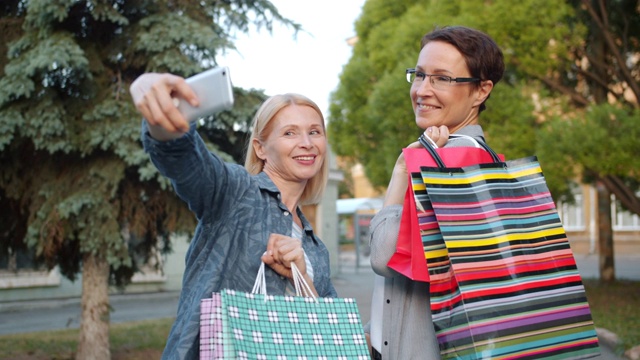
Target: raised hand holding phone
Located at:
point(214, 91)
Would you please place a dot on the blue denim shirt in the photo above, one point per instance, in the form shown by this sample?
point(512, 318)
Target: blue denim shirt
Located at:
point(236, 213)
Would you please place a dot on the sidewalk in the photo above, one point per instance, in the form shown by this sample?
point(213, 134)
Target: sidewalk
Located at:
point(42, 315)
point(350, 281)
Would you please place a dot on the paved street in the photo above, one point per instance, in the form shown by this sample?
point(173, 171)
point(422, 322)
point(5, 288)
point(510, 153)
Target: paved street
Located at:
point(351, 281)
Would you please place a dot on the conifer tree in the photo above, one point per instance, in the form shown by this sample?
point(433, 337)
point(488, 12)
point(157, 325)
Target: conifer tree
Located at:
point(74, 179)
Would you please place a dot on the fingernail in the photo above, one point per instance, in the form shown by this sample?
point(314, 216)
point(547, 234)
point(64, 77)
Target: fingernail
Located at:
point(430, 129)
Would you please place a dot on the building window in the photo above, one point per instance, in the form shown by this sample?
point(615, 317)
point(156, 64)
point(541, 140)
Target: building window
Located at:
point(623, 220)
point(17, 270)
point(572, 215)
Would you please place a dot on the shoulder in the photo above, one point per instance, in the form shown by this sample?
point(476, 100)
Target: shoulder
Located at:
point(469, 135)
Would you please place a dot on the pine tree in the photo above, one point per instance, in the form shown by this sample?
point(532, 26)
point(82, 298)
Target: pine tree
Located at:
point(74, 179)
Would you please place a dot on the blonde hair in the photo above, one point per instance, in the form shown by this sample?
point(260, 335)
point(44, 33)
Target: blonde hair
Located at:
point(262, 129)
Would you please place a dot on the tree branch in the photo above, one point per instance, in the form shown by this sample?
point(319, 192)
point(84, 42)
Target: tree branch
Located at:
point(611, 44)
point(595, 78)
point(623, 193)
point(579, 99)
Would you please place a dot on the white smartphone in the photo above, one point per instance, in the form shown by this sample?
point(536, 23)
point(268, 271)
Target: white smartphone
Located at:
point(214, 90)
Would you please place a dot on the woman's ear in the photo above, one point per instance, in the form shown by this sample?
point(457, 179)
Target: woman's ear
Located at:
point(483, 91)
point(258, 148)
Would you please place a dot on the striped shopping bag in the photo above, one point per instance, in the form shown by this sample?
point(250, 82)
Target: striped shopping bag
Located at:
point(420, 250)
point(512, 290)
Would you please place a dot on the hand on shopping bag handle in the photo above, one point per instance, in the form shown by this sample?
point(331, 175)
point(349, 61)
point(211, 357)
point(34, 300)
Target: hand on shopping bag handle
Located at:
point(438, 134)
point(399, 182)
point(281, 251)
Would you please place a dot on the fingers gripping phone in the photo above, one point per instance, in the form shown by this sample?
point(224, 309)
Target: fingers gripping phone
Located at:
point(214, 90)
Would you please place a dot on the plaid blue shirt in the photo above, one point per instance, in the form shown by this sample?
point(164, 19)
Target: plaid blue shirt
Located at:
point(236, 213)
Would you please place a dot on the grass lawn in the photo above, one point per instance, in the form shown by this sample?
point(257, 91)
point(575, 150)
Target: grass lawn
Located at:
point(142, 340)
point(615, 307)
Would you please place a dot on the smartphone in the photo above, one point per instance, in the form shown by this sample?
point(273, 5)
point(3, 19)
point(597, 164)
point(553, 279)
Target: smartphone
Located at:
point(215, 94)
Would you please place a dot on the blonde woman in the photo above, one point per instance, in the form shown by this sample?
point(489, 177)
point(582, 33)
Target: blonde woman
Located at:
point(246, 215)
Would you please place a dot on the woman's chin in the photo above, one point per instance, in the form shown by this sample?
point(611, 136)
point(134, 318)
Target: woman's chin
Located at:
point(423, 123)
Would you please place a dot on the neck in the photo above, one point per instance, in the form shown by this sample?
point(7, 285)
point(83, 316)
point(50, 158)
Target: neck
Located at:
point(471, 120)
point(290, 191)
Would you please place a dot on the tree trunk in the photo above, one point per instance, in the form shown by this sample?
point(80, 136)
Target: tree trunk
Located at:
point(599, 52)
point(94, 325)
point(605, 234)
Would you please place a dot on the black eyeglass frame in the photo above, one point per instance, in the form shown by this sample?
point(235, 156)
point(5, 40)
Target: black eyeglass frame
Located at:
point(451, 79)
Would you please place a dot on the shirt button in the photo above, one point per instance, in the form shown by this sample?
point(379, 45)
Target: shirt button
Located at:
point(286, 213)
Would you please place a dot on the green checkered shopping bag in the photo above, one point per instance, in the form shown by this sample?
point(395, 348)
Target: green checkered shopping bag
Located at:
point(264, 326)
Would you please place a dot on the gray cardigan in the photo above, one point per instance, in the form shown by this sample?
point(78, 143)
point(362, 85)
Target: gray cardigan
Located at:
point(407, 331)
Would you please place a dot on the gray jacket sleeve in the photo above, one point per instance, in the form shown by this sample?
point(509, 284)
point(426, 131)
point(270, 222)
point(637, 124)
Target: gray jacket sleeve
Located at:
point(384, 237)
point(408, 331)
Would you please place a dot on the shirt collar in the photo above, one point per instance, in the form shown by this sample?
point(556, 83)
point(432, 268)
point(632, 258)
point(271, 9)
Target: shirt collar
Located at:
point(265, 183)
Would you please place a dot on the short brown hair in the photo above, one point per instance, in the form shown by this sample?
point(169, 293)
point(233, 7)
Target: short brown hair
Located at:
point(481, 53)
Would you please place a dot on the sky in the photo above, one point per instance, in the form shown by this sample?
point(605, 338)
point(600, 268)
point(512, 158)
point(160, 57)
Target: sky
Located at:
point(309, 64)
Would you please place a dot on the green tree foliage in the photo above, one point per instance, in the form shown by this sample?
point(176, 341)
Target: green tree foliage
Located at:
point(562, 58)
point(603, 140)
point(75, 182)
point(370, 114)
point(570, 93)
point(604, 91)
point(72, 161)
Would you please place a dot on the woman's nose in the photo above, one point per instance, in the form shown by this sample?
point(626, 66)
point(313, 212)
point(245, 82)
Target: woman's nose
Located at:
point(305, 141)
point(424, 86)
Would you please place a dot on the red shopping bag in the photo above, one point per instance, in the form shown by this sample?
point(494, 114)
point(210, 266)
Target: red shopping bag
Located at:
point(420, 251)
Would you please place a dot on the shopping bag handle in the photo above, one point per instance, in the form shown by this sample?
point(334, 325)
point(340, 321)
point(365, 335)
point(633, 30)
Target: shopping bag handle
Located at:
point(431, 148)
point(299, 283)
point(428, 144)
point(260, 285)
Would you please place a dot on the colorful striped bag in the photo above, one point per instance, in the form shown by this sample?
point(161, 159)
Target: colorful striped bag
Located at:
point(420, 251)
point(512, 290)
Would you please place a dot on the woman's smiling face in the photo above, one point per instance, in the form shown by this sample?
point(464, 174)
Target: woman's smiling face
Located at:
point(295, 149)
point(454, 106)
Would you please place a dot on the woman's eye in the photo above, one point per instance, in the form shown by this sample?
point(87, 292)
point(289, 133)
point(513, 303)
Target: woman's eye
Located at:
point(420, 75)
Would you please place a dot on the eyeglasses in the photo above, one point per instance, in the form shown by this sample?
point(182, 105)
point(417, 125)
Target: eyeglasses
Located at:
point(440, 82)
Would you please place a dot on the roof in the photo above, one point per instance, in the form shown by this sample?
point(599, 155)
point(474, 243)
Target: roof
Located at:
point(350, 206)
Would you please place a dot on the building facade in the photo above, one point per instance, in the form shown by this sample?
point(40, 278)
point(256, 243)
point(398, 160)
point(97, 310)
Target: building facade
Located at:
point(580, 221)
